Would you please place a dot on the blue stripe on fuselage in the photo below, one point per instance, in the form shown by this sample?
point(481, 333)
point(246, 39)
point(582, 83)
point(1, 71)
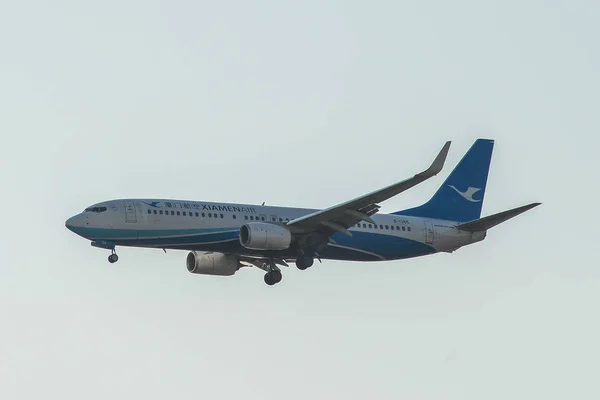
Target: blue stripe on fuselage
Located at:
point(362, 246)
point(387, 246)
point(147, 234)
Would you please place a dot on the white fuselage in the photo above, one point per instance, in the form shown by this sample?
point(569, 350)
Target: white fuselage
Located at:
point(207, 226)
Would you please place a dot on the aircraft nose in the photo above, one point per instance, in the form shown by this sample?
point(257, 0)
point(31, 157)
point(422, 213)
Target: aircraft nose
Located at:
point(71, 223)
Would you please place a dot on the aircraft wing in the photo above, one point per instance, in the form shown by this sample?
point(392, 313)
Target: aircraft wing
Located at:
point(342, 216)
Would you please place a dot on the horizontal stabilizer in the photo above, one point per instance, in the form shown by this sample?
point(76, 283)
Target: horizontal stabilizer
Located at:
point(485, 223)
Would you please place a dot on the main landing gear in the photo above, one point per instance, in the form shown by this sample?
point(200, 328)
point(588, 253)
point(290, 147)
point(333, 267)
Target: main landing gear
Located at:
point(272, 277)
point(273, 274)
point(304, 261)
point(113, 258)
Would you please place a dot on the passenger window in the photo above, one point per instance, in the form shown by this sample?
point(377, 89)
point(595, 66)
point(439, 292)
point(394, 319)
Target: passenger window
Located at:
point(172, 212)
point(222, 216)
point(178, 213)
point(197, 214)
point(155, 212)
point(160, 212)
point(370, 226)
point(408, 228)
point(380, 226)
point(209, 215)
point(203, 215)
point(245, 217)
point(262, 218)
point(183, 213)
point(403, 228)
point(280, 219)
point(149, 211)
point(234, 217)
point(387, 227)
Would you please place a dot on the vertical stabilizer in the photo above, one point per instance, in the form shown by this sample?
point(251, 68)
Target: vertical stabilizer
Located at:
point(460, 198)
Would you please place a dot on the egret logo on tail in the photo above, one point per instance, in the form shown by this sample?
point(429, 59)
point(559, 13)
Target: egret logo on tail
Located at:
point(468, 194)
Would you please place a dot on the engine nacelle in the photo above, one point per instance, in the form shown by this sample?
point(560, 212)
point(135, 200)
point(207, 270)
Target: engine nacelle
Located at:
point(212, 263)
point(261, 236)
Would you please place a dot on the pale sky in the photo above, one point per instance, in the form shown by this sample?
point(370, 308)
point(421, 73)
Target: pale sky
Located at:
point(303, 104)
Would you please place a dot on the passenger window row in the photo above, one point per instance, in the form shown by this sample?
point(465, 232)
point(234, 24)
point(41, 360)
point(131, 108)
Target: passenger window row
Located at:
point(187, 214)
point(215, 215)
point(265, 218)
point(250, 218)
point(388, 227)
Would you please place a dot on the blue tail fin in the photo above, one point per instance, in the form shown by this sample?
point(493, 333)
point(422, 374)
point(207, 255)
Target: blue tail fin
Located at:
point(460, 198)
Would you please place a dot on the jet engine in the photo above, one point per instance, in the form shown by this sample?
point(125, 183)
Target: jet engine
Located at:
point(212, 263)
point(261, 236)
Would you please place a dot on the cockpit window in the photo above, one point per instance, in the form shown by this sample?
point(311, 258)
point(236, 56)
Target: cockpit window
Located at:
point(95, 209)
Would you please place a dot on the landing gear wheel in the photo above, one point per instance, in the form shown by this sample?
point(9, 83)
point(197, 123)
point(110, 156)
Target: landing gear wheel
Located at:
point(273, 277)
point(113, 258)
point(304, 261)
point(276, 276)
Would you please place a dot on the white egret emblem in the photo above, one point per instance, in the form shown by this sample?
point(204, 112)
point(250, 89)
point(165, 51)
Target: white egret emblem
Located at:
point(468, 194)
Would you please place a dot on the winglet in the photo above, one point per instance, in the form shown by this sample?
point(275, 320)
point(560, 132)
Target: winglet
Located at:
point(439, 161)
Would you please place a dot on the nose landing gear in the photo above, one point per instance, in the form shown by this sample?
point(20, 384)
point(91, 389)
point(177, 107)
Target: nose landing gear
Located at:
point(105, 244)
point(113, 258)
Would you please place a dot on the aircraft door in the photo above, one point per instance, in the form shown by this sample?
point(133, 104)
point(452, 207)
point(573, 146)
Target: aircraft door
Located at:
point(429, 233)
point(130, 212)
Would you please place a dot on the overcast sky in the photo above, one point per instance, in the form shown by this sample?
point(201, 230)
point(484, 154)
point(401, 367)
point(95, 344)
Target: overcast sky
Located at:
point(306, 104)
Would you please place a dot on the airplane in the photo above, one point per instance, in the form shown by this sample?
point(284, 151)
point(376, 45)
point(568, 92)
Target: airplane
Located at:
point(223, 237)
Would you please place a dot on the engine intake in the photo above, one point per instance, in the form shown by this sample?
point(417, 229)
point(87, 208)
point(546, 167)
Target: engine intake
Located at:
point(261, 236)
point(212, 263)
